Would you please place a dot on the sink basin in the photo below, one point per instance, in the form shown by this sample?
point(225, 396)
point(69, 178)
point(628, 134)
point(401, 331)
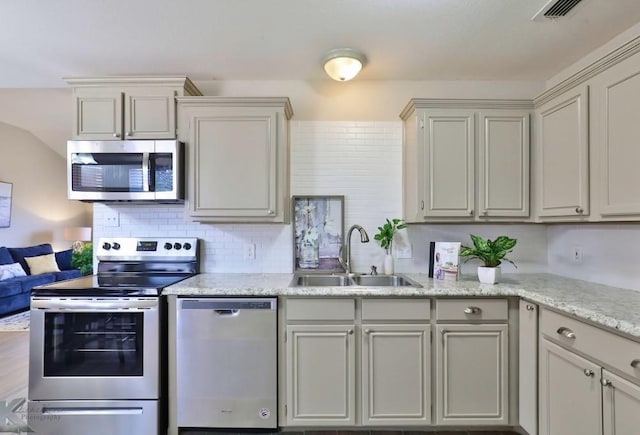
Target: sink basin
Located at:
point(384, 281)
point(354, 282)
point(320, 281)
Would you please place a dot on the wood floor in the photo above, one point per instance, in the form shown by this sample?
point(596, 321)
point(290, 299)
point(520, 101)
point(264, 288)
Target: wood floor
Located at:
point(14, 353)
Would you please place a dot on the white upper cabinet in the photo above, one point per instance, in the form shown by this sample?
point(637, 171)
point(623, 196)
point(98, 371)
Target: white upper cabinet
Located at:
point(564, 155)
point(618, 133)
point(237, 154)
point(122, 108)
point(449, 144)
point(503, 163)
point(466, 160)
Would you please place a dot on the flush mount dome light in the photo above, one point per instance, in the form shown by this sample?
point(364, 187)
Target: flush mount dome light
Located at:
point(343, 64)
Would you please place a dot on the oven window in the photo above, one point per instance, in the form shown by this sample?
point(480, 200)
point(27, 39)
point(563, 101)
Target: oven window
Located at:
point(93, 344)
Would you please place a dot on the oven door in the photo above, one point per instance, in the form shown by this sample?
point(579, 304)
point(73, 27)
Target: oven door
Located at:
point(94, 348)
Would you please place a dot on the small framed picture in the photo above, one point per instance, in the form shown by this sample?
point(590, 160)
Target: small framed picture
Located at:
point(5, 204)
point(318, 232)
point(444, 260)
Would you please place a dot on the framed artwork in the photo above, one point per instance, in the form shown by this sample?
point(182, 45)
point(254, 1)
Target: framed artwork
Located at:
point(5, 204)
point(318, 232)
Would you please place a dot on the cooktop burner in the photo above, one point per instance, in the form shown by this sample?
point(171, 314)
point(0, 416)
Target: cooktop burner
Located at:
point(132, 267)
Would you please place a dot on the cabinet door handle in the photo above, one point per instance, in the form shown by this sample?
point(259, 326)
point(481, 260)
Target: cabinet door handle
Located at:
point(566, 332)
point(472, 310)
point(129, 133)
point(579, 210)
point(471, 212)
point(530, 307)
point(588, 373)
point(443, 332)
point(421, 205)
point(367, 331)
point(350, 332)
point(605, 382)
point(116, 135)
point(635, 363)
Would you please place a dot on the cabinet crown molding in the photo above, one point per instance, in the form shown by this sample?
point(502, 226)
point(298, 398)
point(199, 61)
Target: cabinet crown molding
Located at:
point(101, 81)
point(238, 101)
point(446, 103)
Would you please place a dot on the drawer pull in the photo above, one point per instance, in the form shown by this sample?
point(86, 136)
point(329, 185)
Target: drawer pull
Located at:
point(588, 373)
point(530, 307)
point(635, 363)
point(605, 382)
point(566, 332)
point(472, 310)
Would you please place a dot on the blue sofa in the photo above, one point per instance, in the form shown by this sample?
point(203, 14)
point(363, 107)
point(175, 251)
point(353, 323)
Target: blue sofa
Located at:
point(15, 290)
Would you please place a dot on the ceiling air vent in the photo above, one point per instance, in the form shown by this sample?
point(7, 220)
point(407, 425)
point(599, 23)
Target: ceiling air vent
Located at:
point(556, 9)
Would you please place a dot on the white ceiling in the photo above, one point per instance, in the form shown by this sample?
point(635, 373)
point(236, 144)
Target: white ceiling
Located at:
point(43, 41)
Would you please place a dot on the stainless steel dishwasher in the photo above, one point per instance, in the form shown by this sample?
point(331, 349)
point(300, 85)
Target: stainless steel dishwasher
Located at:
point(226, 362)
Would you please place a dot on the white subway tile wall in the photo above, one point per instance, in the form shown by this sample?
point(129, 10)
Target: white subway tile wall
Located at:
point(360, 160)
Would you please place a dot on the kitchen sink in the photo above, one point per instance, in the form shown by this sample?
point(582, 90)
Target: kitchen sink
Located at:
point(320, 281)
point(354, 282)
point(384, 281)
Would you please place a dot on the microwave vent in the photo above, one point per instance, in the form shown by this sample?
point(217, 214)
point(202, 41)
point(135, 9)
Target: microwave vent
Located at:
point(556, 9)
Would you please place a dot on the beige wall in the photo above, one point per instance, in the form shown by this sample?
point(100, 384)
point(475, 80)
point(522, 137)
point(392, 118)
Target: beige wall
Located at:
point(40, 209)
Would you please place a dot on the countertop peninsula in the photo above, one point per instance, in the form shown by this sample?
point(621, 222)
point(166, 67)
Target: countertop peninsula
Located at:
point(612, 307)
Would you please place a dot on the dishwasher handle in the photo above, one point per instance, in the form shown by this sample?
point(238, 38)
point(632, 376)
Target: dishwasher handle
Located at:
point(227, 306)
point(226, 312)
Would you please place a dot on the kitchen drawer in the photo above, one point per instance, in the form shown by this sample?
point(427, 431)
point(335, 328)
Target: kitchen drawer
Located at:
point(609, 348)
point(321, 309)
point(396, 309)
point(472, 309)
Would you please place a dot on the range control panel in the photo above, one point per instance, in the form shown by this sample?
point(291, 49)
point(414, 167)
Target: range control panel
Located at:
point(146, 247)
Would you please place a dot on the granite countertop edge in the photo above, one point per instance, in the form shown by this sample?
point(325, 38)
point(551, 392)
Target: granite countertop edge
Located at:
point(612, 307)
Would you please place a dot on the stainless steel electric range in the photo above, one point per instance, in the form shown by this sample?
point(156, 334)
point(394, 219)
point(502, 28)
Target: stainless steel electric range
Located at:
point(97, 342)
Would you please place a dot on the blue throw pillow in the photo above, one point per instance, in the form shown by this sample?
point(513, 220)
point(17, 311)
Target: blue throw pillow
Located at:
point(5, 256)
point(63, 258)
point(19, 254)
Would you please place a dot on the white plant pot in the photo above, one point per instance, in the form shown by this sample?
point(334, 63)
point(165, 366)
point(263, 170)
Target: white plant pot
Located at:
point(388, 264)
point(489, 275)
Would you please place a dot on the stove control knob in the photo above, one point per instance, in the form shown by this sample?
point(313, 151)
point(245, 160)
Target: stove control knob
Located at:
point(187, 246)
point(106, 246)
point(177, 246)
point(168, 246)
point(116, 245)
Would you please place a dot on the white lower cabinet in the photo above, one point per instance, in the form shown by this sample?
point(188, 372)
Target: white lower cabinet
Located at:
point(581, 394)
point(321, 375)
point(570, 397)
point(396, 387)
point(620, 405)
point(366, 363)
point(472, 375)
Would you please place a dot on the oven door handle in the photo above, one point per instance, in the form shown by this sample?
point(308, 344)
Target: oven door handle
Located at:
point(93, 305)
point(92, 411)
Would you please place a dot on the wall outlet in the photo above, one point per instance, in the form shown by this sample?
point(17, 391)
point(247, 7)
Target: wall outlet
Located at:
point(576, 255)
point(250, 251)
point(111, 218)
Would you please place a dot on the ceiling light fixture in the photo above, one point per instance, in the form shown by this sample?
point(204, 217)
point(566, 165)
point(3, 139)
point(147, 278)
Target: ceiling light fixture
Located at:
point(343, 64)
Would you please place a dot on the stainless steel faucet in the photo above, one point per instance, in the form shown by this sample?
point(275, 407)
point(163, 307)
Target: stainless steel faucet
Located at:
point(346, 261)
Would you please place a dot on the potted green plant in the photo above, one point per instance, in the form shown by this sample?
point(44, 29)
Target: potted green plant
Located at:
point(385, 237)
point(83, 259)
point(491, 253)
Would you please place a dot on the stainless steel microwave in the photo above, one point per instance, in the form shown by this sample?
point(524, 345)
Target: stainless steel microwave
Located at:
point(127, 170)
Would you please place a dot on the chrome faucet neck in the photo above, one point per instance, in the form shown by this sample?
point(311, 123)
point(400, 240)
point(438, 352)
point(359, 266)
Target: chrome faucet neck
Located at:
point(364, 238)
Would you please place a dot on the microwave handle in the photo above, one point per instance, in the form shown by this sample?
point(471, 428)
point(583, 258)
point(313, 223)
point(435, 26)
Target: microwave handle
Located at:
point(145, 172)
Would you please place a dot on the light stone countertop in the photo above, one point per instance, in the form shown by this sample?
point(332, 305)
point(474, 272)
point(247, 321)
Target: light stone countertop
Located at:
point(608, 306)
